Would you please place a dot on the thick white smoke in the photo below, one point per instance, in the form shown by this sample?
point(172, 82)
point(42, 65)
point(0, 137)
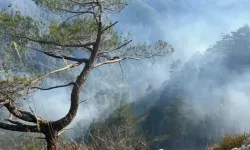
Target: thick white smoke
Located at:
point(190, 26)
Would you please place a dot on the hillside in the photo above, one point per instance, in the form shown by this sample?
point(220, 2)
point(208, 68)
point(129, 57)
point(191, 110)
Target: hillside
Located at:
point(203, 100)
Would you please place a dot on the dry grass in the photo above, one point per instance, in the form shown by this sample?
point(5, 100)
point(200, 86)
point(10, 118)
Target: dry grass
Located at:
point(119, 138)
point(74, 146)
point(229, 142)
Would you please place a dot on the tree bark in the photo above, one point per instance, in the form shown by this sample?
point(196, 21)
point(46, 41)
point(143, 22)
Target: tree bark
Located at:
point(65, 121)
point(52, 140)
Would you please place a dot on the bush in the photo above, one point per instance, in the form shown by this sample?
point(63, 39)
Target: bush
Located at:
point(229, 142)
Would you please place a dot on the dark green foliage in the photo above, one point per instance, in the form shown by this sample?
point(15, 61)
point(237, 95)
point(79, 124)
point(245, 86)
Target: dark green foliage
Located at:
point(166, 126)
point(174, 126)
point(234, 48)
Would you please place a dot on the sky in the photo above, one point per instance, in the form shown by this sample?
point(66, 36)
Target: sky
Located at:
point(190, 26)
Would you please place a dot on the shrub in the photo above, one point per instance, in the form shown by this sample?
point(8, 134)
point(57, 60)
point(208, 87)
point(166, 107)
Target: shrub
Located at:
point(229, 142)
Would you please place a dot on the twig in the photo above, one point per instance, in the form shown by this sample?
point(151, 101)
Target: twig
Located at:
point(109, 26)
point(55, 71)
point(51, 42)
point(83, 101)
point(119, 47)
point(85, 60)
point(121, 69)
point(54, 87)
point(61, 132)
point(108, 62)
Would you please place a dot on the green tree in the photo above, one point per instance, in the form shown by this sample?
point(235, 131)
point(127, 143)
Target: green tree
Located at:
point(166, 125)
point(83, 26)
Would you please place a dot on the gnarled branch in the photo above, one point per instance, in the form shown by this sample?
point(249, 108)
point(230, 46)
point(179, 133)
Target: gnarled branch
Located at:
point(75, 94)
point(20, 128)
point(23, 115)
point(3, 102)
point(14, 122)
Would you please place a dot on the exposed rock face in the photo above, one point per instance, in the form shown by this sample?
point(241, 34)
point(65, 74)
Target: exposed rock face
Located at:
point(245, 145)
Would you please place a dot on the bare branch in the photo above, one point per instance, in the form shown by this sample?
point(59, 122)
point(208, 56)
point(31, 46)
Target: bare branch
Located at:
point(84, 45)
point(109, 26)
point(55, 71)
point(119, 47)
point(23, 115)
point(70, 18)
point(54, 87)
point(15, 122)
point(117, 59)
point(4, 102)
point(83, 3)
point(83, 101)
point(20, 128)
point(77, 12)
point(34, 117)
point(121, 69)
point(62, 131)
point(10, 116)
point(85, 60)
point(40, 138)
point(108, 62)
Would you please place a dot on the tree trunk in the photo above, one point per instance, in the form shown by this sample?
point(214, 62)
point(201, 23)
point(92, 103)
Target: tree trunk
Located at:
point(52, 140)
